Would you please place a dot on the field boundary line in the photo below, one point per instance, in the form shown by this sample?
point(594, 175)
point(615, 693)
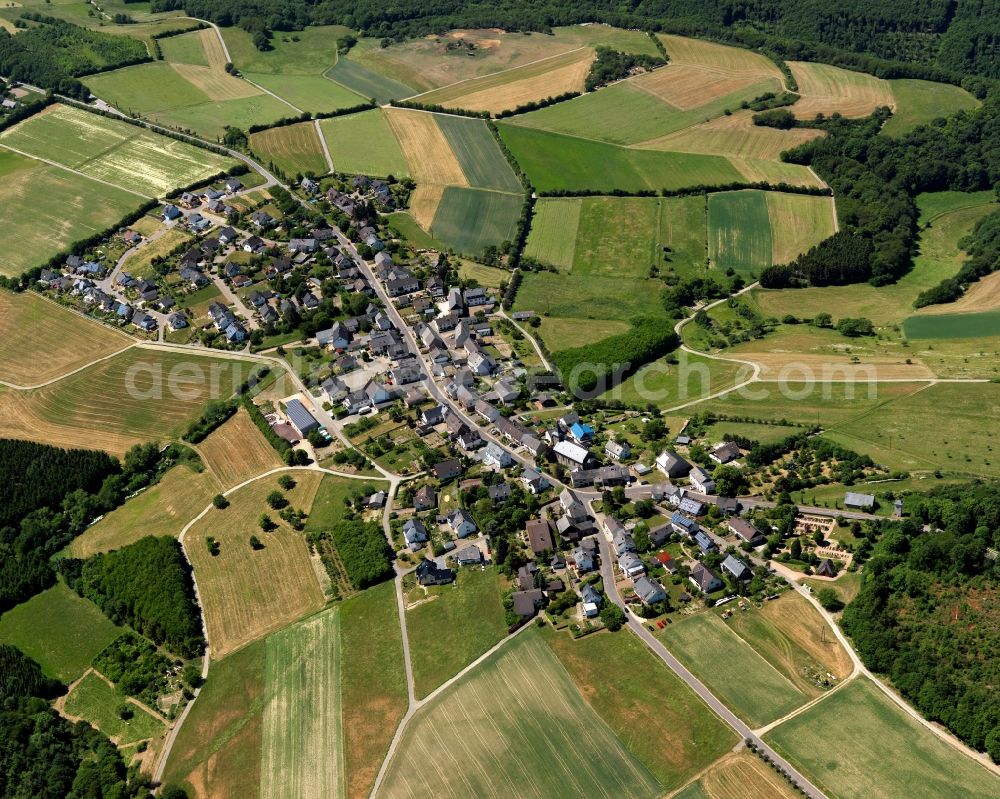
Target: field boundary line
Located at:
point(323, 144)
point(498, 72)
point(75, 171)
point(68, 374)
point(762, 731)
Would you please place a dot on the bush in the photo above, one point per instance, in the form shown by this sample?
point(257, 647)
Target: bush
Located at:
point(220, 502)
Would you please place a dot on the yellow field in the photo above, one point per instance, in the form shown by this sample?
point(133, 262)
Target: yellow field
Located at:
point(786, 361)
point(212, 45)
point(237, 451)
point(798, 221)
point(734, 135)
point(425, 148)
point(775, 172)
point(826, 89)
point(215, 82)
point(983, 295)
point(246, 594)
point(687, 86)
point(42, 340)
point(424, 201)
point(683, 50)
point(161, 510)
point(499, 92)
point(742, 775)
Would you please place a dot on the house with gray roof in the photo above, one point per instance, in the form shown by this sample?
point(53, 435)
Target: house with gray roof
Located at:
point(649, 591)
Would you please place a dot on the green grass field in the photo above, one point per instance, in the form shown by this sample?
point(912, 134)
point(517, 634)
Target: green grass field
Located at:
point(364, 143)
point(560, 333)
point(477, 152)
point(44, 209)
point(302, 753)
point(625, 114)
point(471, 219)
point(306, 52)
point(209, 119)
point(764, 433)
point(933, 204)
point(186, 48)
point(734, 672)
point(328, 505)
point(408, 228)
point(555, 162)
point(547, 741)
point(631, 689)
point(309, 92)
point(617, 237)
point(294, 149)
point(367, 83)
point(146, 88)
point(585, 297)
point(450, 631)
point(552, 238)
point(920, 101)
point(858, 744)
point(953, 325)
point(218, 748)
point(95, 701)
point(667, 385)
point(60, 630)
point(125, 155)
point(739, 231)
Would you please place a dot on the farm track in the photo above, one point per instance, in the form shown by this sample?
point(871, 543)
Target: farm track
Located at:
point(75, 171)
point(324, 145)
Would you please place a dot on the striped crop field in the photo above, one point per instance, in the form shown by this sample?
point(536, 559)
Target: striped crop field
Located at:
point(739, 231)
point(294, 149)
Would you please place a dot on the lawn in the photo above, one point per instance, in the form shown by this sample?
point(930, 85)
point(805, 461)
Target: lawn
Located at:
point(127, 156)
point(364, 144)
point(451, 630)
point(630, 689)
point(373, 683)
point(794, 638)
point(61, 631)
point(749, 685)
point(294, 149)
point(554, 225)
point(556, 162)
point(302, 751)
point(140, 263)
point(858, 744)
point(218, 748)
point(469, 220)
point(97, 702)
point(739, 231)
point(547, 741)
point(135, 397)
point(161, 510)
point(921, 101)
point(44, 209)
point(665, 385)
point(30, 325)
point(241, 599)
point(478, 154)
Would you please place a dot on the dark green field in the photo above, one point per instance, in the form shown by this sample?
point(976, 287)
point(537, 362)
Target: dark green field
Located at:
point(957, 325)
point(739, 231)
point(477, 152)
point(367, 83)
point(471, 219)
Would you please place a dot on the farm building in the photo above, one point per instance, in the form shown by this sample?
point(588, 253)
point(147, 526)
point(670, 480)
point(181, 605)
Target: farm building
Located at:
point(724, 453)
point(672, 464)
point(857, 501)
point(571, 455)
point(301, 419)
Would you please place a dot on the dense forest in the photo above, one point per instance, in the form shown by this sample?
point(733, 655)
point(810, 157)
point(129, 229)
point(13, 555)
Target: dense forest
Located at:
point(52, 53)
point(34, 476)
point(940, 36)
point(28, 543)
point(44, 756)
point(927, 614)
point(146, 585)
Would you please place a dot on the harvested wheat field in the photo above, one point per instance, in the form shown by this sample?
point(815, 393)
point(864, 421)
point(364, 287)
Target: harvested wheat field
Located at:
point(211, 43)
point(756, 170)
point(248, 593)
point(425, 148)
point(718, 57)
point(826, 89)
point(983, 295)
point(798, 222)
point(424, 202)
point(237, 451)
point(506, 90)
point(216, 83)
point(687, 86)
point(742, 775)
point(43, 340)
point(734, 135)
point(791, 364)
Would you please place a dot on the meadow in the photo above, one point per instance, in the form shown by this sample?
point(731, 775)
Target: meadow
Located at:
point(826, 89)
point(561, 333)
point(162, 509)
point(742, 775)
point(451, 630)
point(217, 751)
point(329, 506)
point(294, 149)
point(857, 744)
point(302, 732)
point(29, 324)
point(237, 451)
point(552, 238)
point(130, 157)
point(59, 630)
point(555, 162)
point(364, 144)
point(241, 599)
point(952, 325)
point(764, 433)
point(93, 699)
point(666, 385)
point(629, 688)
point(46, 208)
point(140, 263)
point(196, 47)
point(137, 396)
point(798, 222)
point(732, 670)
point(588, 297)
point(547, 741)
point(739, 231)
point(471, 219)
point(921, 101)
